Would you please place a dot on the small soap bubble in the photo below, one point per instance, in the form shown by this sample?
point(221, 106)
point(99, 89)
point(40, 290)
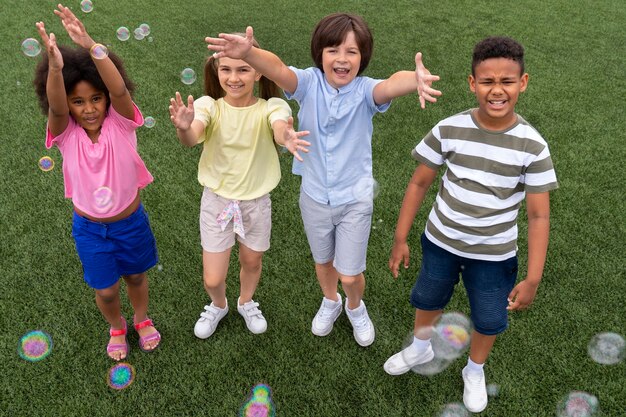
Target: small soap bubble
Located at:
point(31, 47)
point(99, 51)
point(35, 346)
point(578, 404)
point(46, 163)
point(150, 39)
point(493, 390)
point(86, 6)
point(454, 410)
point(19, 83)
point(120, 376)
point(451, 335)
point(145, 29)
point(188, 76)
point(149, 122)
point(102, 199)
point(259, 404)
point(159, 267)
point(123, 33)
point(607, 348)
point(138, 33)
point(366, 189)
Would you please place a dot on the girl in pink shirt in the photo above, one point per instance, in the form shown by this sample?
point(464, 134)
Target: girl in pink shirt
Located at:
point(92, 120)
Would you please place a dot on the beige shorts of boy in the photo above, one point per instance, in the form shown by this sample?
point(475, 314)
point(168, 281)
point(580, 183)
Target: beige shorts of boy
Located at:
point(256, 217)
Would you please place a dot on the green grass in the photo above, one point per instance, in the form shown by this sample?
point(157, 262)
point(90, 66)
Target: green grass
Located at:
point(576, 58)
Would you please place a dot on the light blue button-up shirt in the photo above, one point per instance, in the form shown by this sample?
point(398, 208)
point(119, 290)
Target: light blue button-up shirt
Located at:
point(340, 122)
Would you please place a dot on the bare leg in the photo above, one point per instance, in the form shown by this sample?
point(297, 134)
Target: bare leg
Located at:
point(328, 279)
point(108, 302)
point(354, 287)
point(214, 270)
point(424, 319)
point(480, 347)
point(250, 272)
point(137, 288)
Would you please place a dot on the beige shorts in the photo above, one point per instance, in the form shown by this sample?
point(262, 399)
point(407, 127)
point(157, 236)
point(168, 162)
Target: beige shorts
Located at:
point(257, 222)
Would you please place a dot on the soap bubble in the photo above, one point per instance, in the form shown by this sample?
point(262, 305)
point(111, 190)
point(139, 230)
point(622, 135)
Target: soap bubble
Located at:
point(493, 390)
point(123, 33)
point(138, 33)
point(451, 335)
point(31, 47)
point(454, 410)
point(149, 122)
point(366, 189)
point(99, 51)
point(606, 348)
point(145, 29)
point(120, 376)
point(578, 404)
point(102, 199)
point(46, 163)
point(35, 346)
point(188, 76)
point(86, 6)
point(259, 404)
point(434, 366)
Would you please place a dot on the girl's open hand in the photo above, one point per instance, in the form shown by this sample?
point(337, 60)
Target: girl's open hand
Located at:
point(231, 46)
point(74, 27)
point(181, 115)
point(424, 82)
point(292, 140)
point(55, 59)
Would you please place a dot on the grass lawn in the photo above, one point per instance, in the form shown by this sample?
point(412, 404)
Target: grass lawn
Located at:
point(575, 55)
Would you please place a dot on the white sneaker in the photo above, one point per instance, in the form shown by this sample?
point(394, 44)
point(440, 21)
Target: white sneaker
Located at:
point(326, 316)
point(407, 358)
point(362, 326)
point(209, 318)
point(475, 390)
point(254, 318)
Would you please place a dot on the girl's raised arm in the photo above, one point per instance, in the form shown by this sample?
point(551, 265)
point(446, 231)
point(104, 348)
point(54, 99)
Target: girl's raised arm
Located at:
point(58, 110)
point(118, 93)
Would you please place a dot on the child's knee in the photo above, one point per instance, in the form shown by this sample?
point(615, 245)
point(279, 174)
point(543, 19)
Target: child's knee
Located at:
point(135, 280)
point(108, 295)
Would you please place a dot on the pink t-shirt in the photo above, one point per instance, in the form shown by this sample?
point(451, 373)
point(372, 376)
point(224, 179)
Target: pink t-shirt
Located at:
point(102, 178)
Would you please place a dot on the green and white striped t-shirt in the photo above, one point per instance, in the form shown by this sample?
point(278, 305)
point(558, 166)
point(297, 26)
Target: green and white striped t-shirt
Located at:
point(487, 176)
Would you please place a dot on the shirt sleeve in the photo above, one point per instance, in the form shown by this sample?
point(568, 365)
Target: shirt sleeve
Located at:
point(369, 85)
point(305, 79)
point(59, 140)
point(428, 151)
point(277, 109)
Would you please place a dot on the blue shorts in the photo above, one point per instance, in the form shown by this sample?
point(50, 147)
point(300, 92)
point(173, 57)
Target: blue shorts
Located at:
point(110, 250)
point(339, 234)
point(487, 283)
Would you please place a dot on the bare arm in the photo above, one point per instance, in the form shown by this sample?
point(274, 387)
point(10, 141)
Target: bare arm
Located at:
point(188, 130)
point(58, 110)
point(265, 62)
point(118, 93)
point(538, 210)
point(405, 82)
point(285, 135)
point(418, 186)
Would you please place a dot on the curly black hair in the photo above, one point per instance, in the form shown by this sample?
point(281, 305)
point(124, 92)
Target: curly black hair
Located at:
point(498, 47)
point(77, 66)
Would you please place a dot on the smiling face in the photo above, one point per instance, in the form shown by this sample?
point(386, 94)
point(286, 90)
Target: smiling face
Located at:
point(341, 63)
point(497, 83)
point(237, 79)
point(88, 106)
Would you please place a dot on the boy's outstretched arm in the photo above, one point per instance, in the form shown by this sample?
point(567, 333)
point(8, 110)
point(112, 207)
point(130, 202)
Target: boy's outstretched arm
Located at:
point(58, 110)
point(418, 186)
point(285, 135)
point(118, 93)
point(405, 82)
point(265, 62)
point(538, 209)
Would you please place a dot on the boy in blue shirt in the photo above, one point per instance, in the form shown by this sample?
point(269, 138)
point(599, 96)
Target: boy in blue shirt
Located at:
point(494, 159)
point(337, 106)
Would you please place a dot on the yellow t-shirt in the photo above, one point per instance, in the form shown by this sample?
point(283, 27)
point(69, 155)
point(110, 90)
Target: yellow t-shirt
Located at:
point(239, 160)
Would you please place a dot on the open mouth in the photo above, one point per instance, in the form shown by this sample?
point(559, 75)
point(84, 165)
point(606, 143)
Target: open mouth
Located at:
point(341, 71)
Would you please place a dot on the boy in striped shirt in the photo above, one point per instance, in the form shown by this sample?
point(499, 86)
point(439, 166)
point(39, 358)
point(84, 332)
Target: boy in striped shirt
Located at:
point(494, 159)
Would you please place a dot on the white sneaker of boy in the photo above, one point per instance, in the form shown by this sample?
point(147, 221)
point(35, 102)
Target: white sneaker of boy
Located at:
point(475, 390)
point(362, 326)
point(255, 321)
point(209, 318)
point(326, 315)
point(407, 358)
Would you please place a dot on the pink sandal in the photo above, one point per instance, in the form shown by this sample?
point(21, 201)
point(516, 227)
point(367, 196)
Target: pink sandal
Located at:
point(118, 347)
point(155, 336)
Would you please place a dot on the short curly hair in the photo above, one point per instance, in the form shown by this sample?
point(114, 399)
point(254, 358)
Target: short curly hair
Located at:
point(498, 47)
point(77, 66)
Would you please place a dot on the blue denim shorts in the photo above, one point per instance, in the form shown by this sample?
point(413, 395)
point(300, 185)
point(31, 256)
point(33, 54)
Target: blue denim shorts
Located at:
point(487, 283)
point(110, 250)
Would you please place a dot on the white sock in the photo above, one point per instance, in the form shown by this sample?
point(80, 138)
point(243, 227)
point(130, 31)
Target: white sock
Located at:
point(474, 367)
point(420, 345)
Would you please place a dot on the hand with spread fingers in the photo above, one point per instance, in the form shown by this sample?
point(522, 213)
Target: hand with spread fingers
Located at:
point(424, 82)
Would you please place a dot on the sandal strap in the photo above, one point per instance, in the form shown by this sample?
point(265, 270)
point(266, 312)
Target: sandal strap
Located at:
point(145, 323)
point(114, 347)
point(118, 332)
